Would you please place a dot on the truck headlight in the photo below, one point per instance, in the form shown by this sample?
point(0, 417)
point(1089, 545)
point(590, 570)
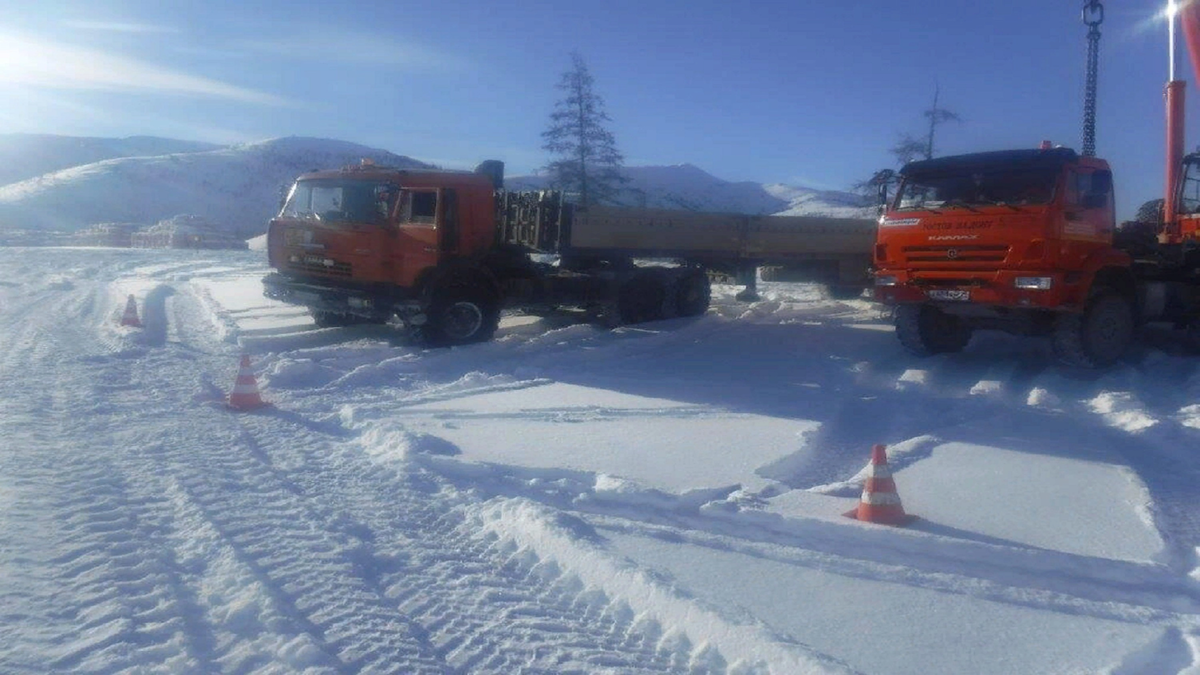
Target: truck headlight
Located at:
point(1034, 283)
point(886, 280)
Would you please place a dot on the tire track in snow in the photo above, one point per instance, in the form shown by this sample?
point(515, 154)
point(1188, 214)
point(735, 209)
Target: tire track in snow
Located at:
point(104, 594)
point(379, 564)
point(479, 609)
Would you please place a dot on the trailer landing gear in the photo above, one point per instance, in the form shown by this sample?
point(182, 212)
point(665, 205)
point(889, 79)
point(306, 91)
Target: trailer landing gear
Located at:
point(748, 276)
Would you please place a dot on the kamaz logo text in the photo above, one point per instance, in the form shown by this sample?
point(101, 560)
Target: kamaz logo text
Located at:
point(954, 237)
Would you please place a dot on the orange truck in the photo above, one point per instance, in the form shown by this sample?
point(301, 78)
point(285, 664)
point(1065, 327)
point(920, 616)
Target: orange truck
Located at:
point(1027, 241)
point(446, 251)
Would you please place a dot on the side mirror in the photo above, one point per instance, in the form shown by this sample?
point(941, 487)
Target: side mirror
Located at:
point(881, 180)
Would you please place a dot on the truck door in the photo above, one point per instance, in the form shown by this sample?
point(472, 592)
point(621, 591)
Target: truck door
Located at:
point(1189, 198)
point(1088, 206)
point(418, 214)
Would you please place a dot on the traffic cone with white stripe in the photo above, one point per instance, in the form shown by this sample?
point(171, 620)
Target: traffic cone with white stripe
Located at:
point(130, 317)
point(244, 395)
point(880, 503)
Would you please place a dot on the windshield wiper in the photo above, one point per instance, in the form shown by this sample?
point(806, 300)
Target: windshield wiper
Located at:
point(1014, 207)
point(959, 202)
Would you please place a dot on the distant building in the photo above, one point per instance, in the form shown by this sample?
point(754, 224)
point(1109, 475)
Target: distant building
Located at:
point(106, 234)
point(185, 231)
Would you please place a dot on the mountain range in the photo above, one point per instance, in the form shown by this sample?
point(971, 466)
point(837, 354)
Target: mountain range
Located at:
point(60, 184)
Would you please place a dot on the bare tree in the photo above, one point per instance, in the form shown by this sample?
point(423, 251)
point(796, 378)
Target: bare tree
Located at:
point(909, 148)
point(937, 115)
point(588, 161)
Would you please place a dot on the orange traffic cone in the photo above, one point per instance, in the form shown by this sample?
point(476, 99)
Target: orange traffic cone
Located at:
point(244, 395)
point(880, 503)
point(130, 317)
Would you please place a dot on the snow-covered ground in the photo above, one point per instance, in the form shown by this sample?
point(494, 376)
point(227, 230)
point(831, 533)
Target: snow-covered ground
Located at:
point(568, 499)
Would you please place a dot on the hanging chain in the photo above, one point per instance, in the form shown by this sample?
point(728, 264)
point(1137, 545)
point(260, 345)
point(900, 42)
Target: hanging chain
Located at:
point(1093, 16)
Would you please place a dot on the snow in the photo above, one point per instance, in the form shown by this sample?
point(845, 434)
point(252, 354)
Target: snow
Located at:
point(567, 498)
point(684, 186)
point(59, 184)
point(237, 188)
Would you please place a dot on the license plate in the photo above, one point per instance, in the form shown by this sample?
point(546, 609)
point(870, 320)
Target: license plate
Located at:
point(949, 294)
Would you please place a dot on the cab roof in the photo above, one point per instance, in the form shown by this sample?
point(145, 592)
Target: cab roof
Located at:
point(1051, 158)
point(419, 177)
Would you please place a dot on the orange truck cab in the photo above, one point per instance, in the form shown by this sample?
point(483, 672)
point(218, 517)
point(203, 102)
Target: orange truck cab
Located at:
point(1024, 241)
point(364, 243)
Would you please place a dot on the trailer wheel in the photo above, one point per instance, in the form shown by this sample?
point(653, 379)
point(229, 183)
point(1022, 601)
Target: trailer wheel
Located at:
point(642, 298)
point(693, 294)
point(1097, 337)
point(925, 330)
point(459, 316)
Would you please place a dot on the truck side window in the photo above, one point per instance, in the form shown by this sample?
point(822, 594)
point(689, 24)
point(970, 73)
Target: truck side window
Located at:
point(1089, 189)
point(418, 207)
point(1189, 194)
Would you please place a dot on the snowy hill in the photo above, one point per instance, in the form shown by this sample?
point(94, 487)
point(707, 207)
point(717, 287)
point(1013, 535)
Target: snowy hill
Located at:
point(25, 156)
point(684, 186)
point(236, 187)
point(68, 184)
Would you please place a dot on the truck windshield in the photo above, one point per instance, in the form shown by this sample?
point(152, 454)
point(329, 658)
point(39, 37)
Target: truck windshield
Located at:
point(1013, 188)
point(356, 201)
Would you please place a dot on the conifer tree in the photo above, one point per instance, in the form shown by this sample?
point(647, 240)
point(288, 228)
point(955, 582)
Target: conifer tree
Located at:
point(587, 161)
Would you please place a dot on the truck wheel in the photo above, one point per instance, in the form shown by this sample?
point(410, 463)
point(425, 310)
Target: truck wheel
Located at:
point(1097, 337)
point(642, 299)
point(459, 317)
point(925, 330)
point(693, 294)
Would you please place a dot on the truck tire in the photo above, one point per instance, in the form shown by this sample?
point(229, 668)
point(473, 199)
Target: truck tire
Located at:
point(459, 316)
point(693, 294)
point(1099, 335)
point(642, 298)
point(925, 330)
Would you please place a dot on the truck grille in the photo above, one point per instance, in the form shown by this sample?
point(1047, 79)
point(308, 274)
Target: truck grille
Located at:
point(982, 253)
point(312, 265)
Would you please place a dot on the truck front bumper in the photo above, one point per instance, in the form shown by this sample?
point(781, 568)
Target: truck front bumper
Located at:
point(997, 289)
point(351, 300)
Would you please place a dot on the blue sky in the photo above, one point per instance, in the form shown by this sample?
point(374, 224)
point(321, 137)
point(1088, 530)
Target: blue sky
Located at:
point(808, 92)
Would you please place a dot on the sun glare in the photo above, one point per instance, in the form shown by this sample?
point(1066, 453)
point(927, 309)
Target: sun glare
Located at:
point(29, 61)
